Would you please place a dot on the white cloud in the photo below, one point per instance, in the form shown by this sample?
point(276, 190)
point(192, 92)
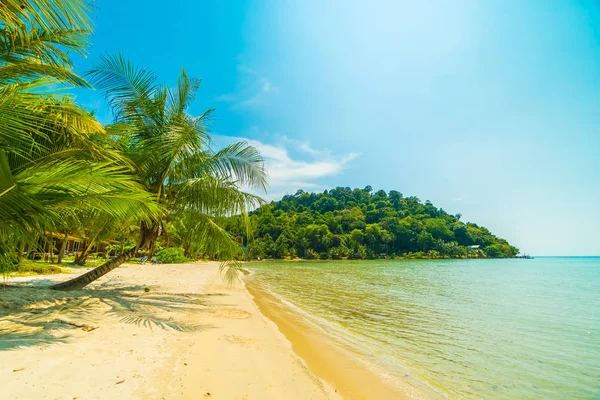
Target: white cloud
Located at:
point(288, 173)
point(460, 198)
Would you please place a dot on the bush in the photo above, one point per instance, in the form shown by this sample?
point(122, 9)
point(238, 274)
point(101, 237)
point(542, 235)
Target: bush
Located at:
point(499, 250)
point(336, 253)
point(371, 255)
point(311, 255)
point(171, 256)
point(362, 252)
point(419, 255)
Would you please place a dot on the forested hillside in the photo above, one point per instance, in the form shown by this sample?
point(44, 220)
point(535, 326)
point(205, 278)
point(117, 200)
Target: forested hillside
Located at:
point(357, 223)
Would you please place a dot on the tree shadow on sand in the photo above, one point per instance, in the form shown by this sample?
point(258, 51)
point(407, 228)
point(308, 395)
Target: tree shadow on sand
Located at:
point(36, 315)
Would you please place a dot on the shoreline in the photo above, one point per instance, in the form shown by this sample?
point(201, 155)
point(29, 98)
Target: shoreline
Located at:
point(300, 259)
point(329, 360)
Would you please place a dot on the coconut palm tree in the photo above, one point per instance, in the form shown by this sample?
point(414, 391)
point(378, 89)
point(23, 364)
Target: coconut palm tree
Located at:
point(50, 164)
point(172, 155)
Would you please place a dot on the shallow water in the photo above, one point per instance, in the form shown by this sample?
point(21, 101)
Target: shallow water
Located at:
point(502, 329)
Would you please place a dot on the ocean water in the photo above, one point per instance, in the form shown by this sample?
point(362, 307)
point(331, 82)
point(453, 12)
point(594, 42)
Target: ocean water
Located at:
point(469, 329)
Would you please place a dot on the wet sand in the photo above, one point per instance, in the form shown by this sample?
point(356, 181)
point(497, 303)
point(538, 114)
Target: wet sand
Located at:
point(340, 367)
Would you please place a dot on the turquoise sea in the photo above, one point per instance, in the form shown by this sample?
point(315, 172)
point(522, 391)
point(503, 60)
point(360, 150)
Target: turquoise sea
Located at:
point(469, 329)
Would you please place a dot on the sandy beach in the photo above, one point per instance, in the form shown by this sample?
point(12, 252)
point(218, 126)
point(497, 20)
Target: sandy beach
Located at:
point(190, 336)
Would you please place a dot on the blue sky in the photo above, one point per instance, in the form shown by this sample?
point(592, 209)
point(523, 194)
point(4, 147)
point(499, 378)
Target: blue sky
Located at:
point(490, 109)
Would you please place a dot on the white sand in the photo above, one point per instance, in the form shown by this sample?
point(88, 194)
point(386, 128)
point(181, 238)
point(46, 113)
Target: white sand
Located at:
point(190, 337)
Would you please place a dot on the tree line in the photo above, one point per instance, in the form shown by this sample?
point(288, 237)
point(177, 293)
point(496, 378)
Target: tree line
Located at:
point(362, 224)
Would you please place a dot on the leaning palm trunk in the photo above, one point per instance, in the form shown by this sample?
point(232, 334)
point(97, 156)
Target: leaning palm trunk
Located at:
point(82, 281)
point(147, 235)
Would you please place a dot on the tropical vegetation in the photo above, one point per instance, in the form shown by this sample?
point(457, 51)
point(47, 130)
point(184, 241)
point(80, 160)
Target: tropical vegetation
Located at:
point(362, 224)
point(171, 255)
point(63, 173)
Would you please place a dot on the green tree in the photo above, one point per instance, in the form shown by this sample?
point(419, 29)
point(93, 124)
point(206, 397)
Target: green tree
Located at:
point(462, 235)
point(284, 245)
point(318, 237)
point(439, 229)
point(500, 250)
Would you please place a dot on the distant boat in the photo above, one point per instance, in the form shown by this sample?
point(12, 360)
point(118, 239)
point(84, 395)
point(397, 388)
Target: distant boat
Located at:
point(525, 256)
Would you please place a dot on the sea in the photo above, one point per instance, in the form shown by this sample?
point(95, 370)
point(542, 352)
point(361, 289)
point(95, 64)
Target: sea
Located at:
point(467, 329)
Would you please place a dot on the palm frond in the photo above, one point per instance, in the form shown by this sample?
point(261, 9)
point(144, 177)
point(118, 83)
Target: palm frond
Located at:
point(124, 85)
point(37, 36)
point(241, 161)
point(49, 14)
point(182, 96)
point(214, 197)
point(26, 118)
point(31, 68)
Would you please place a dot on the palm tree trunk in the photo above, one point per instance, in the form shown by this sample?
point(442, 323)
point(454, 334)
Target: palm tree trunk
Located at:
point(46, 246)
point(80, 257)
point(146, 237)
point(63, 245)
point(151, 247)
point(83, 280)
point(52, 248)
point(87, 247)
point(84, 254)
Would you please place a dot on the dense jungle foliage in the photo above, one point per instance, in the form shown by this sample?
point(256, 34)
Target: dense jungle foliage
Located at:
point(362, 224)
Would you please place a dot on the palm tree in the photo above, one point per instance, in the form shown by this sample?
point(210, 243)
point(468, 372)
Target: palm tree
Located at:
point(171, 153)
point(50, 166)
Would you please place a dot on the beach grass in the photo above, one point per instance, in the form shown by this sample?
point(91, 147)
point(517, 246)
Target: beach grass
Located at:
point(30, 267)
point(37, 267)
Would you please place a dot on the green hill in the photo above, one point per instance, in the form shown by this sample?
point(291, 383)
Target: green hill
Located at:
point(357, 223)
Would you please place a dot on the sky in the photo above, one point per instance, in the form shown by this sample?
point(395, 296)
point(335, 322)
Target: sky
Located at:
point(489, 109)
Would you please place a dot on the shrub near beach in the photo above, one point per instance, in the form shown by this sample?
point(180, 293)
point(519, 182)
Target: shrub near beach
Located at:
point(171, 256)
